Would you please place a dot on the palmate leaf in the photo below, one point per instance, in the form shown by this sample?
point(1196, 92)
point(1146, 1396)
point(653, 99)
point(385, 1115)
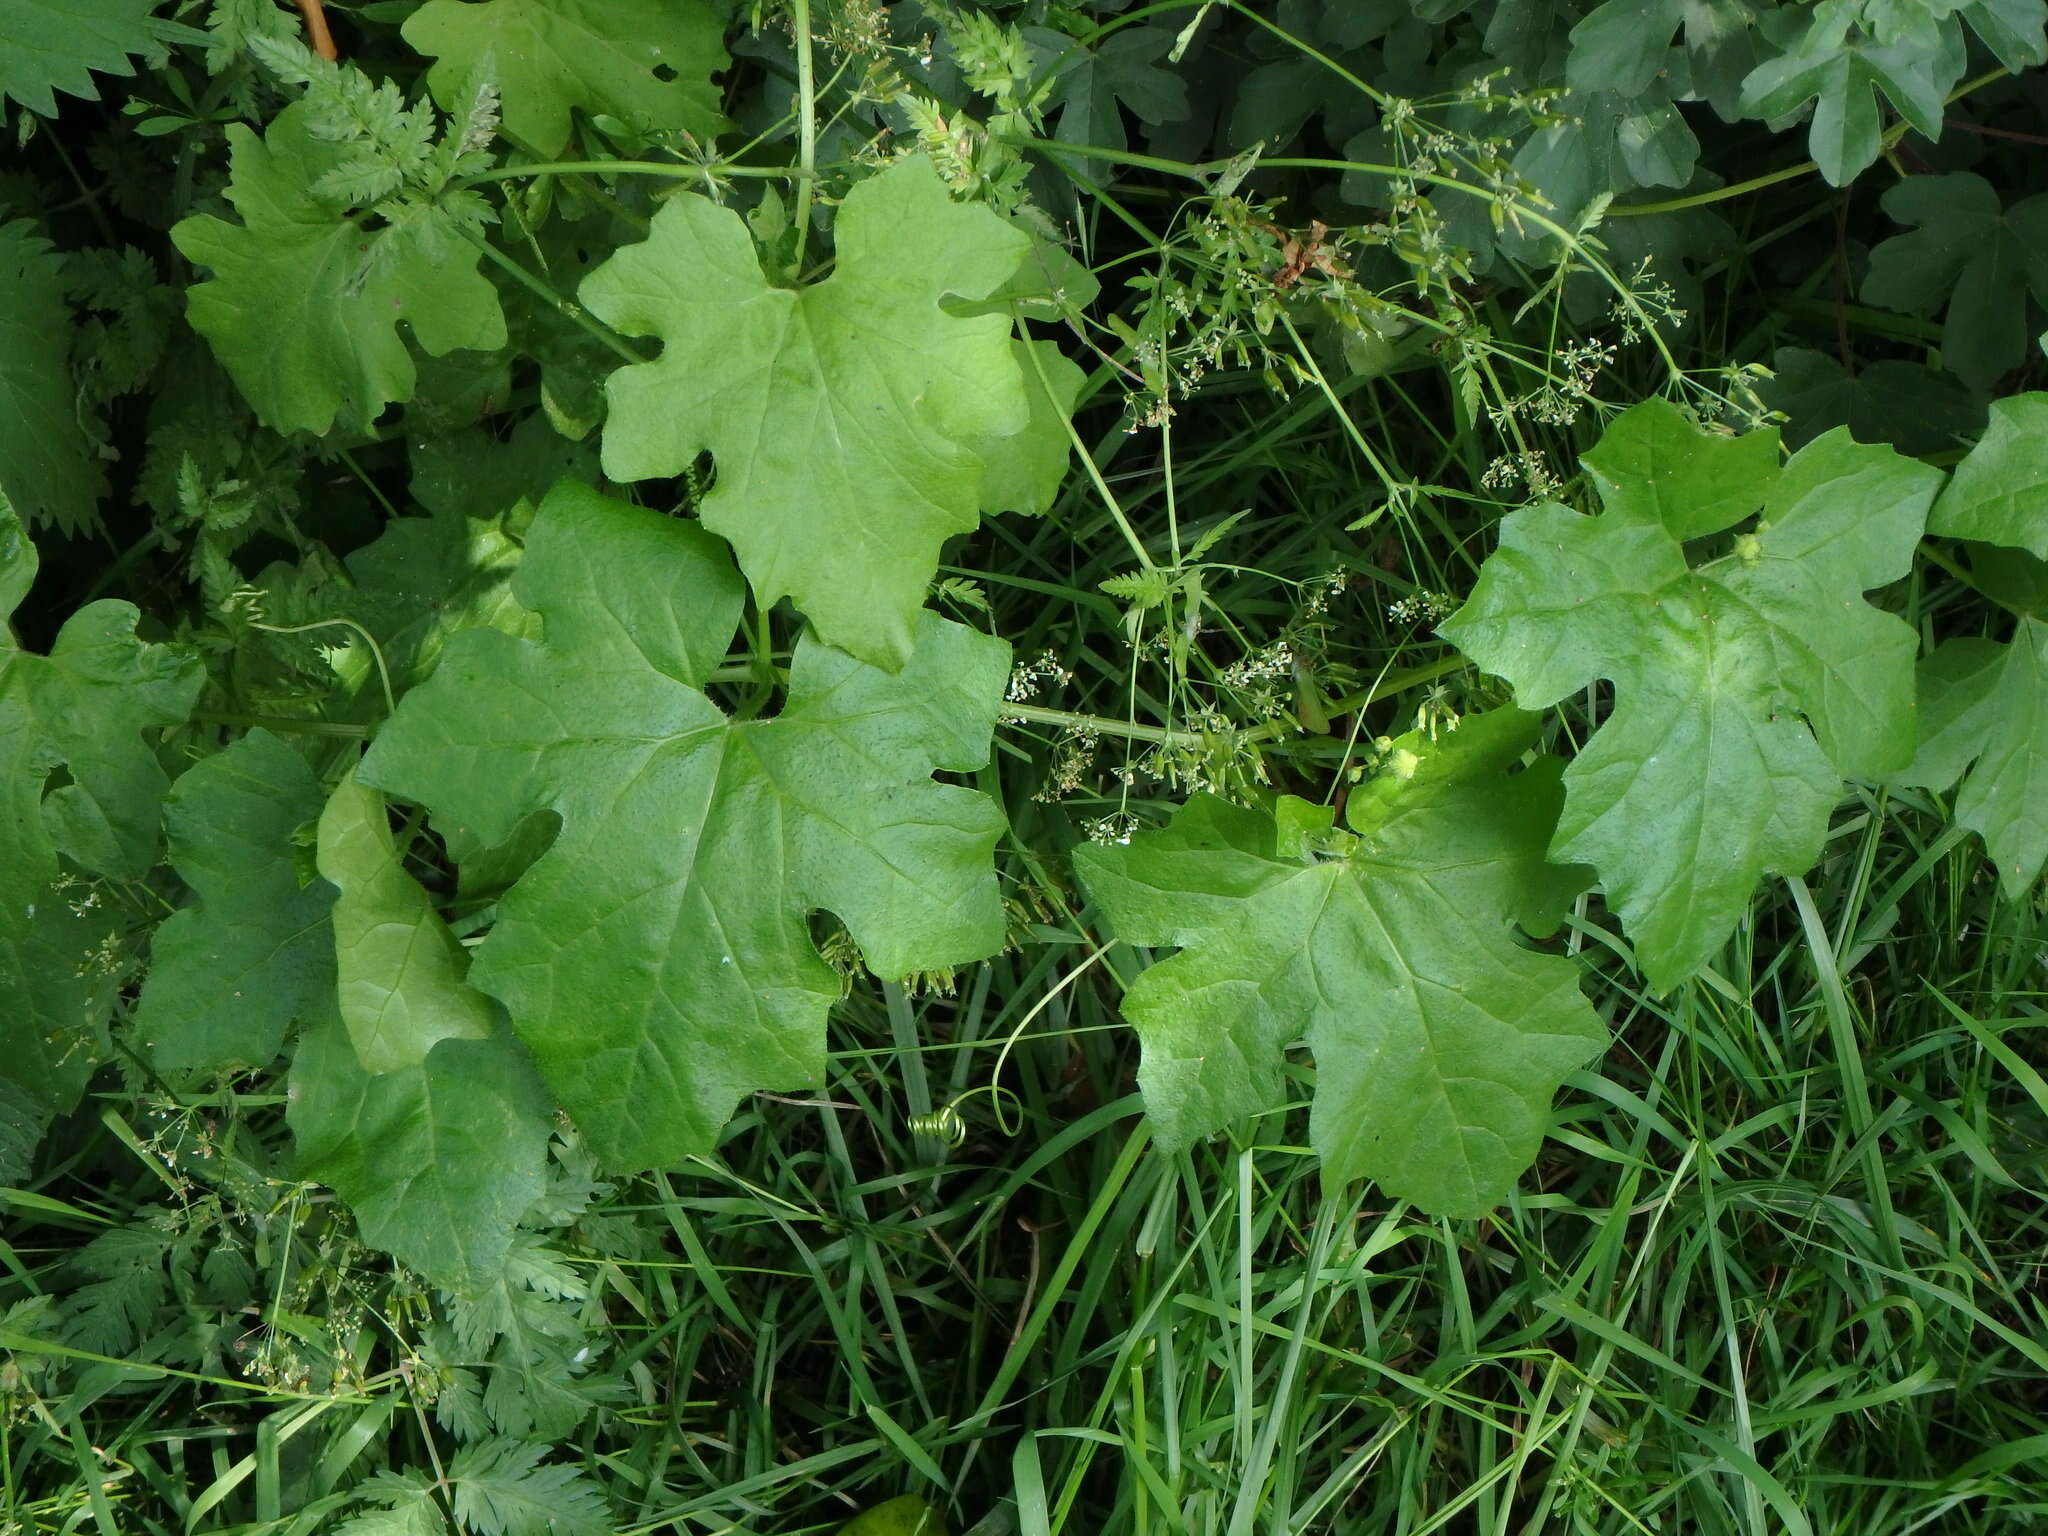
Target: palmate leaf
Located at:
point(1438, 1039)
point(83, 710)
point(230, 973)
point(305, 301)
point(656, 959)
point(646, 62)
point(1969, 255)
point(54, 45)
point(1845, 70)
point(46, 465)
point(848, 421)
point(1706, 776)
point(1984, 704)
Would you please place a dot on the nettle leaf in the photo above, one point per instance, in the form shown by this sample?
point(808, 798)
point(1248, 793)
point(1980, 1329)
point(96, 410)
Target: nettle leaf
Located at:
point(1744, 687)
point(54, 45)
point(306, 300)
point(1439, 1040)
point(438, 1160)
point(230, 973)
point(1845, 71)
point(1984, 709)
point(848, 421)
point(82, 711)
point(646, 62)
point(657, 959)
point(1973, 256)
point(47, 469)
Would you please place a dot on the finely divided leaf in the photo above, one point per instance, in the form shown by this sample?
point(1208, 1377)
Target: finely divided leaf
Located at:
point(306, 301)
point(53, 45)
point(1745, 688)
point(398, 969)
point(46, 466)
point(657, 959)
point(848, 421)
point(646, 62)
point(230, 972)
point(1438, 1038)
point(438, 1160)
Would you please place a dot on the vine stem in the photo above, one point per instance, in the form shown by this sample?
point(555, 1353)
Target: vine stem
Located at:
point(542, 291)
point(1272, 730)
point(664, 168)
point(807, 126)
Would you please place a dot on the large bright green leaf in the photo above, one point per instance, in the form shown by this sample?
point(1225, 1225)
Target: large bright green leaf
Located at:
point(1999, 493)
point(54, 45)
point(657, 959)
point(438, 1160)
point(1984, 705)
point(398, 970)
point(1974, 257)
point(81, 710)
point(1985, 714)
point(846, 420)
point(646, 62)
point(1744, 687)
point(229, 973)
point(1438, 1039)
point(306, 299)
point(46, 466)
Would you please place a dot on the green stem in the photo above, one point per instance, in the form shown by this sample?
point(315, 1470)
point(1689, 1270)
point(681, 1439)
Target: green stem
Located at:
point(1102, 489)
point(540, 290)
point(711, 174)
point(336, 728)
point(806, 127)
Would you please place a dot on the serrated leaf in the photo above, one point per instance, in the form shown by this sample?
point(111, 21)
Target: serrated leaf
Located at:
point(46, 465)
point(656, 959)
point(1705, 775)
point(1999, 492)
point(1969, 256)
point(1845, 74)
point(438, 1160)
point(646, 62)
point(504, 1488)
point(398, 970)
point(54, 45)
point(230, 972)
point(846, 420)
point(1438, 1039)
point(305, 303)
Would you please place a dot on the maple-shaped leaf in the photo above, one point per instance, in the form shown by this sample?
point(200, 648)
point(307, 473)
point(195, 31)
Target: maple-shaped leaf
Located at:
point(646, 62)
point(438, 1160)
point(1917, 409)
point(1845, 71)
point(845, 419)
point(1090, 87)
point(1984, 704)
point(1439, 1040)
point(231, 972)
point(398, 970)
point(657, 959)
point(54, 45)
point(82, 711)
point(47, 468)
point(1745, 687)
point(306, 299)
point(1970, 254)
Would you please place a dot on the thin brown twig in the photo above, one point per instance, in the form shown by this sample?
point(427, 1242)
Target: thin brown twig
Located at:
point(317, 36)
